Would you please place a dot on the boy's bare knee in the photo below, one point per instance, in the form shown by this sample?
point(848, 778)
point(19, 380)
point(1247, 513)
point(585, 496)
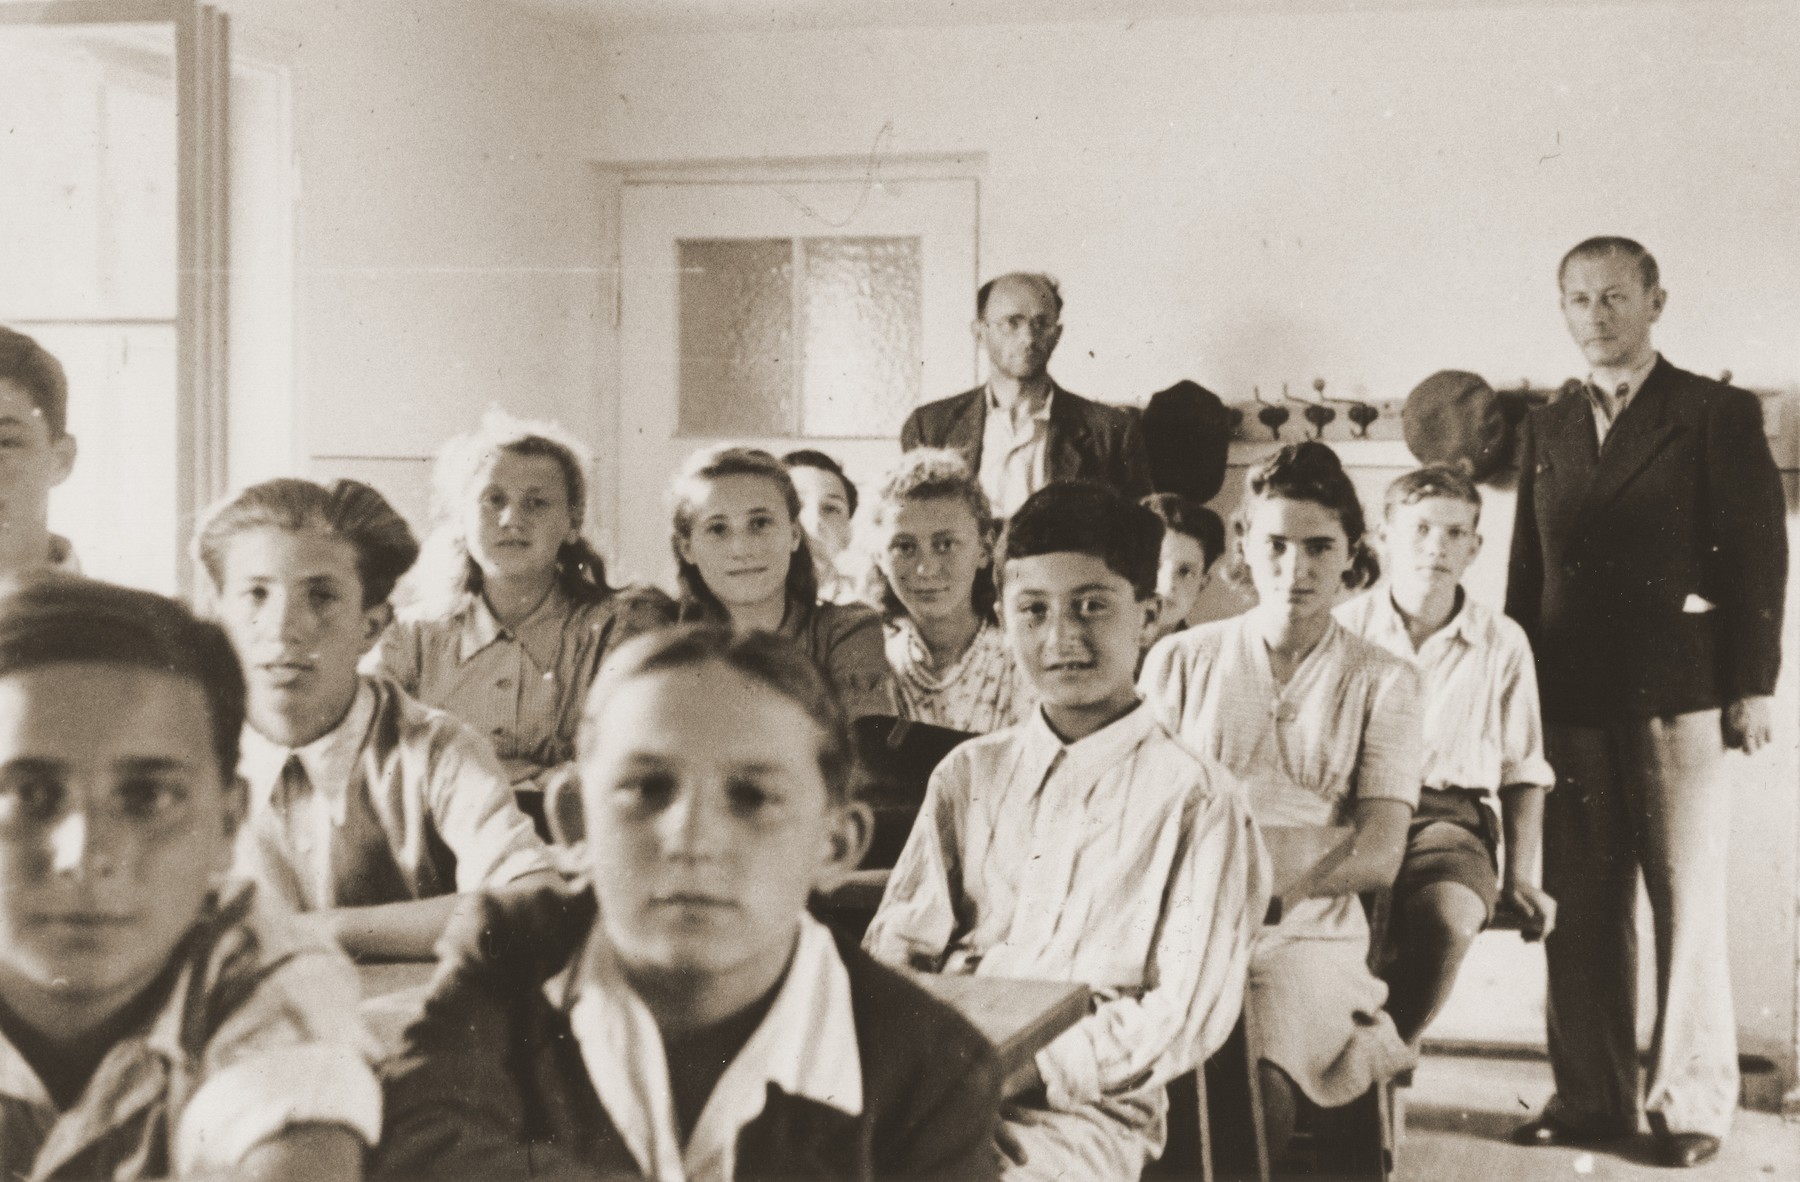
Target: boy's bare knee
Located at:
point(1447, 915)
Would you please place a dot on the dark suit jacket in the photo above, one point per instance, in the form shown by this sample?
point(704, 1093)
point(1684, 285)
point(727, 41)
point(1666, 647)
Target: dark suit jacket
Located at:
point(491, 1083)
point(1085, 441)
point(1613, 548)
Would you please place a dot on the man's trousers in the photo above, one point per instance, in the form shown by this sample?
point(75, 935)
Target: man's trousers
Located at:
point(1642, 794)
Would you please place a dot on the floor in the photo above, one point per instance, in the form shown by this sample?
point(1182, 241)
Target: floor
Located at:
point(1460, 1110)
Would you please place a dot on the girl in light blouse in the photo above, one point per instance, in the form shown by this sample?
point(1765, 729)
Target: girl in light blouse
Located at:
point(742, 560)
point(1320, 728)
point(514, 613)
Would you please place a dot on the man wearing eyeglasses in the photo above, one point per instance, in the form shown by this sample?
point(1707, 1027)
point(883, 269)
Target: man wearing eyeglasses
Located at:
point(1020, 431)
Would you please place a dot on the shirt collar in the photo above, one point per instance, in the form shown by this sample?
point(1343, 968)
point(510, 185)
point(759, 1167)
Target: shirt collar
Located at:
point(1620, 396)
point(1040, 412)
point(1107, 747)
point(806, 1046)
point(162, 1035)
point(329, 760)
point(1389, 619)
point(479, 627)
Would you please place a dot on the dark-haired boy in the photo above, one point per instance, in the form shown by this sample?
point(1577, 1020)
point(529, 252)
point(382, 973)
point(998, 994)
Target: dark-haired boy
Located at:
point(827, 505)
point(1085, 844)
point(155, 1017)
point(1483, 737)
point(367, 808)
point(1193, 538)
point(37, 453)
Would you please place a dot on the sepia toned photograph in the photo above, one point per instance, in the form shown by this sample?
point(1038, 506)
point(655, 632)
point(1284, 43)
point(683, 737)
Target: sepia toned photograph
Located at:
point(899, 589)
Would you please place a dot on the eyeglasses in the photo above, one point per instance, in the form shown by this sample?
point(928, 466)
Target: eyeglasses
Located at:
point(1018, 322)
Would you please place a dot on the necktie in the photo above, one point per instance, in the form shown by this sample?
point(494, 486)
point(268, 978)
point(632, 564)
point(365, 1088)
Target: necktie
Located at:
point(302, 814)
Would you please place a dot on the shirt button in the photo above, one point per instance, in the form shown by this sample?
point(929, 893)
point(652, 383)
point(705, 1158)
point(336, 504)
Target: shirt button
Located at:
point(504, 683)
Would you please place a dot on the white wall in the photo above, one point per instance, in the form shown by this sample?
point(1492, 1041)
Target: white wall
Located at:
point(1366, 197)
point(444, 242)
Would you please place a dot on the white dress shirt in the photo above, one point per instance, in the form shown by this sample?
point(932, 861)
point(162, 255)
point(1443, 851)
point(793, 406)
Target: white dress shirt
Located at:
point(1013, 446)
point(1483, 728)
point(1119, 861)
point(806, 1046)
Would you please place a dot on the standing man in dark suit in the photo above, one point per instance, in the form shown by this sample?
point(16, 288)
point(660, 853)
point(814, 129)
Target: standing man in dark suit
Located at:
point(1649, 560)
point(1021, 431)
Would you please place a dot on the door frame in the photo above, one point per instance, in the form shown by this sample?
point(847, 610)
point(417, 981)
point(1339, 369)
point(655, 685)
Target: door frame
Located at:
point(610, 179)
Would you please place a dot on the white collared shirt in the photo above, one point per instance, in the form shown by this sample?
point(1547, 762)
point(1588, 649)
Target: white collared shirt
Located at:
point(409, 785)
point(806, 1046)
point(330, 761)
point(1123, 861)
point(1483, 728)
point(1014, 443)
point(1608, 405)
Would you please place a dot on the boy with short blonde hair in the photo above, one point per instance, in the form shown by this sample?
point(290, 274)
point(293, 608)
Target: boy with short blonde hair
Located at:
point(1483, 739)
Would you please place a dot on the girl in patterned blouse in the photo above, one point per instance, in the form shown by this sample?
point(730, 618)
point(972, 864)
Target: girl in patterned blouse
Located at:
point(932, 536)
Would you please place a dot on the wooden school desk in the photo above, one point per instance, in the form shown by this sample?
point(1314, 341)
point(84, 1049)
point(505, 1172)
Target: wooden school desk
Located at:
point(1018, 1017)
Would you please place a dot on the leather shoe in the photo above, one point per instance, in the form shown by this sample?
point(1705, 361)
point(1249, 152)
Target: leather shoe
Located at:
point(1684, 1150)
point(1546, 1130)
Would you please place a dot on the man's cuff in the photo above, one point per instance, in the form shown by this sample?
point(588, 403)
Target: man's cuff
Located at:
point(255, 1098)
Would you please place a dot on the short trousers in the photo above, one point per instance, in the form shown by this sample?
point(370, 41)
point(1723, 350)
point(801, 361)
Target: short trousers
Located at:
point(1453, 838)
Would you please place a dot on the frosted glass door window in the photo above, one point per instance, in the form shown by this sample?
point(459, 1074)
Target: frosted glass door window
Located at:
point(799, 338)
point(780, 314)
point(865, 339)
point(737, 335)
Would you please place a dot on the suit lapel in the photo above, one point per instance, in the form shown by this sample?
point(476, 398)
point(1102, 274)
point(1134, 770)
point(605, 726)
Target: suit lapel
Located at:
point(968, 425)
point(1066, 438)
point(1639, 433)
point(1567, 458)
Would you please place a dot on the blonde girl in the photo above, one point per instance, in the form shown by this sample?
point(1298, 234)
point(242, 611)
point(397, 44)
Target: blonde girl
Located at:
point(514, 614)
point(932, 536)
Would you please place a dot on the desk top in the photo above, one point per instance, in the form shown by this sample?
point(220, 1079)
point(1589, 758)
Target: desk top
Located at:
point(1018, 1017)
point(1302, 855)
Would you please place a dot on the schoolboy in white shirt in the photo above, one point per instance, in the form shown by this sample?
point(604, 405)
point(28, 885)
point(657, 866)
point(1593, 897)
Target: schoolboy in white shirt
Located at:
point(367, 809)
point(1483, 740)
point(1085, 844)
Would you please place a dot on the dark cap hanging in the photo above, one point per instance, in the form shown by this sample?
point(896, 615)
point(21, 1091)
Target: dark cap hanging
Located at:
point(1454, 417)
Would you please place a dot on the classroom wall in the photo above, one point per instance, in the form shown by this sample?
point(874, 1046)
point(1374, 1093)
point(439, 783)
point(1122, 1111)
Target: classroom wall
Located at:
point(444, 242)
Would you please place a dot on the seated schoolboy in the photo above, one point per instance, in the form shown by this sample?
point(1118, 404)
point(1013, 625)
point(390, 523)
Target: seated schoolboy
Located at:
point(156, 1017)
point(1193, 539)
point(684, 1017)
point(365, 806)
point(1483, 735)
point(40, 454)
point(1085, 844)
point(827, 506)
